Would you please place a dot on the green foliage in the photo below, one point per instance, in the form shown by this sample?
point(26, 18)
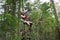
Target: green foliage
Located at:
point(45, 6)
point(43, 28)
point(9, 22)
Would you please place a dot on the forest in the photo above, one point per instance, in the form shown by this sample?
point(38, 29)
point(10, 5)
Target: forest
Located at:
point(26, 20)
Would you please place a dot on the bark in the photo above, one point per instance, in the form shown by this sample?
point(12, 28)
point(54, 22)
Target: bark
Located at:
point(19, 18)
point(56, 18)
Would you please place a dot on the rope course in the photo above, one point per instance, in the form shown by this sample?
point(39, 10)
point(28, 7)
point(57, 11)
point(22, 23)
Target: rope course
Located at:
point(25, 22)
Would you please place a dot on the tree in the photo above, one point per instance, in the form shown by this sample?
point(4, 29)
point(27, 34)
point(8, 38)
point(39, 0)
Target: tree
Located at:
point(56, 18)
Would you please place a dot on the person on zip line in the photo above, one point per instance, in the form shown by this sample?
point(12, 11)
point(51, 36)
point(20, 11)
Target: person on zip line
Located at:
point(24, 18)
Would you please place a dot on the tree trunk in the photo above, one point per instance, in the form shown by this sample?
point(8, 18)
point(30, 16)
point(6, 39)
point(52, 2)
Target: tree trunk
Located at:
point(19, 2)
point(56, 18)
